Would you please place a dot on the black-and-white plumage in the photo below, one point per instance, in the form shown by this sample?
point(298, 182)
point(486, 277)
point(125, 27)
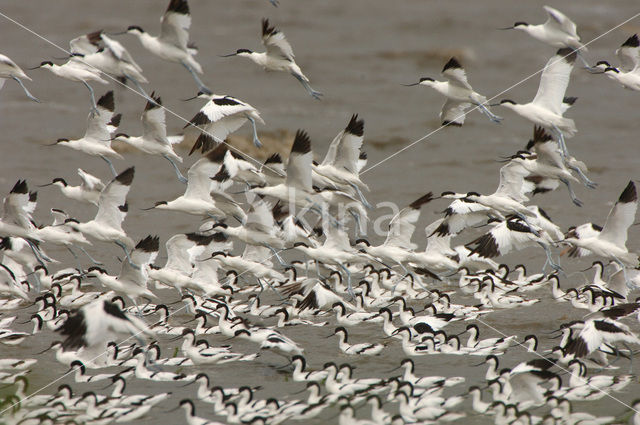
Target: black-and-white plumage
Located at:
point(96, 323)
point(459, 93)
point(277, 57)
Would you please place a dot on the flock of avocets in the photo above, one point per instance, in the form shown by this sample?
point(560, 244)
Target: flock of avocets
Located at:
point(312, 209)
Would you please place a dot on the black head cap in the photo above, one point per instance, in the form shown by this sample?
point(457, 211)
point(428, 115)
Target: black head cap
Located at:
point(46, 63)
point(134, 28)
point(426, 79)
point(520, 23)
point(243, 51)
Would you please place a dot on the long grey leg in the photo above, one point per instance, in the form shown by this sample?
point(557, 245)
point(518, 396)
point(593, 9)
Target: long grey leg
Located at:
point(126, 252)
point(563, 146)
point(552, 263)
point(349, 287)
point(624, 273)
point(493, 117)
point(573, 196)
point(197, 79)
point(315, 94)
point(273, 289)
point(139, 87)
point(277, 255)
point(182, 178)
point(587, 182)
point(94, 107)
point(111, 167)
point(361, 196)
point(29, 95)
point(90, 257)
point(414, 276)
point(533, 229)
point(256, 141)
point(586, 64)
point(75, 257)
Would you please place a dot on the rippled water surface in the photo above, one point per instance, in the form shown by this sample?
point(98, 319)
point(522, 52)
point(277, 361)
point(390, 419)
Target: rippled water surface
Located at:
point(358, 53)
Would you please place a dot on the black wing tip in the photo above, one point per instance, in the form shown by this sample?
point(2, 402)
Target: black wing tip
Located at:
point(178, 6)
point(222, 175)
point(115, 120)
point(157, 102)
point(632, 41)
point(544, 214)
point(149, 244)
point(199, 239)
point(447, 123)
point(267, 29)
point(540, 135)
point(94, 37)
point(114, 310)
point(198, 119)
point(363, 155)
point(225, 101)
point(20, 187)
point(442, 230)
point(518, 226)
point(486, 247)
point(107, 101)
point(355, 126)
point(421, 201)
point(452, 64)
point(301, 143)
point(74, 328)
point(629, 194)
point(568, 54)
point(569, 100)
point(426, 272)
point(126, 177)
point(274, 159)
point(217, 154)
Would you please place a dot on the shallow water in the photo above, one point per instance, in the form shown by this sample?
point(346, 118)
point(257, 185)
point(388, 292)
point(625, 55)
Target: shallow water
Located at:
point(357, 53)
